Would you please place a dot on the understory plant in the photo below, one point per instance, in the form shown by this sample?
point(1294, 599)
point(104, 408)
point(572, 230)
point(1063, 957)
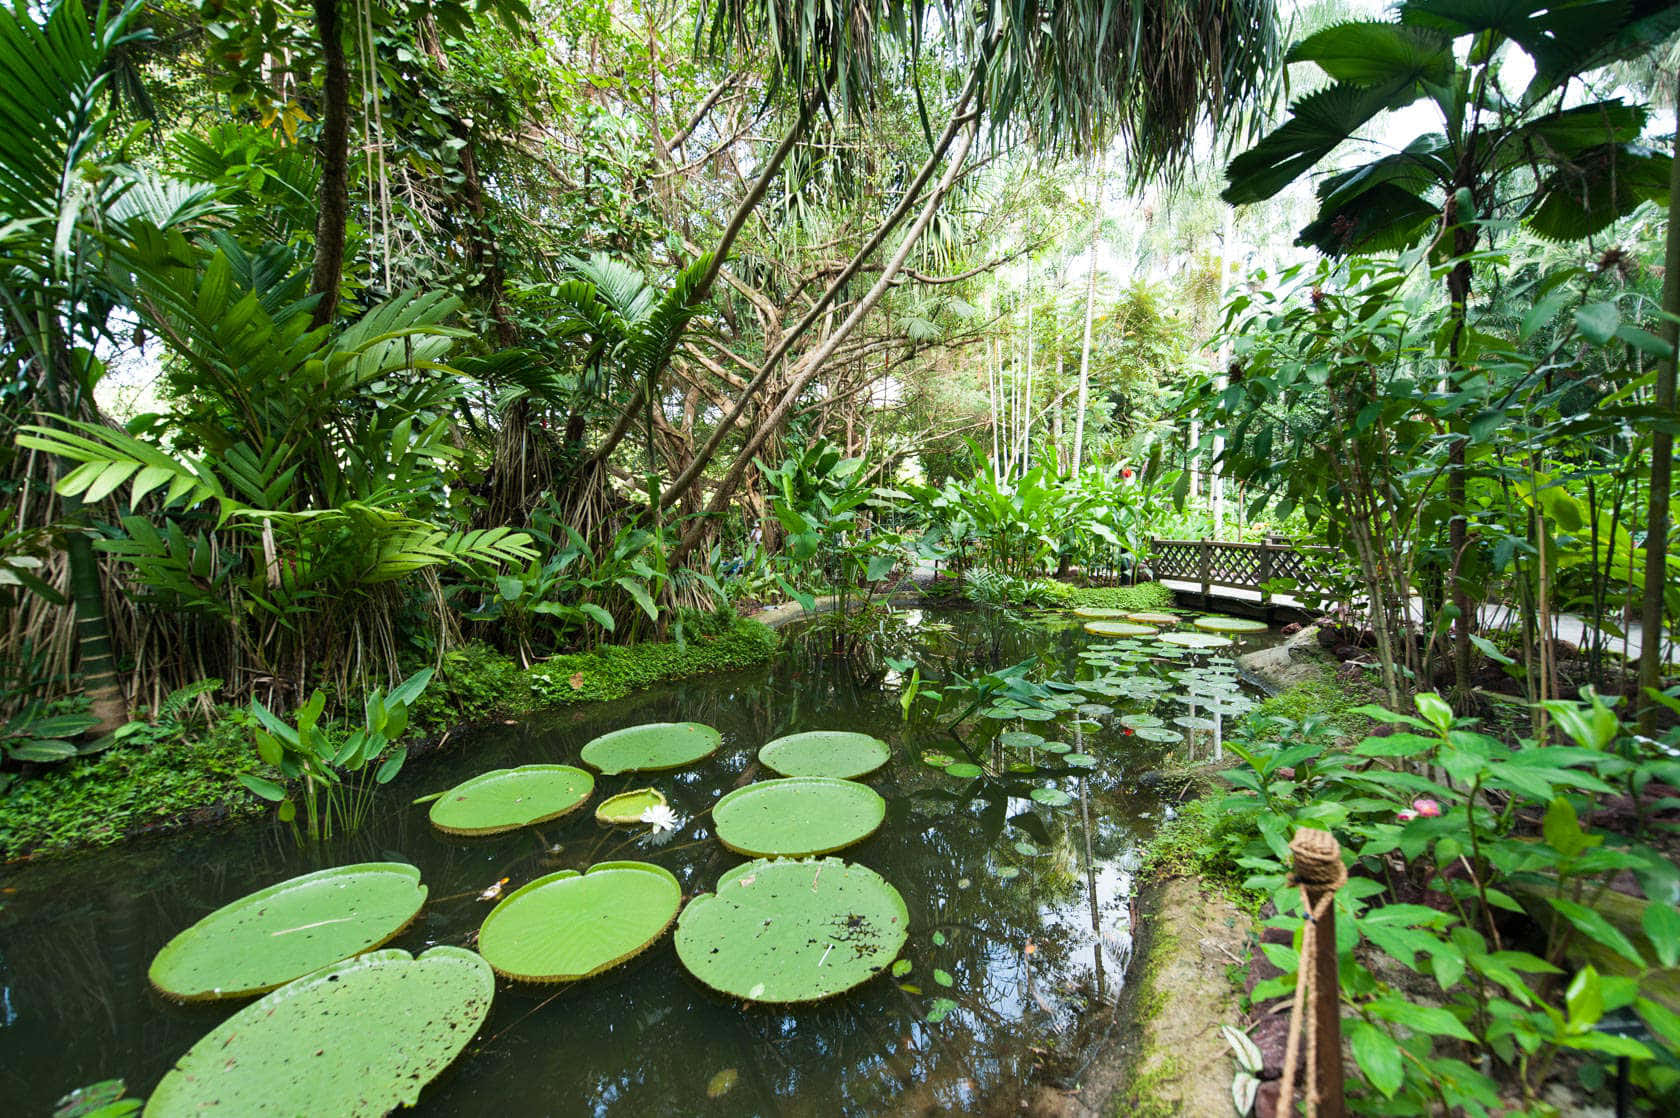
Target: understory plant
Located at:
point(333, 777)
point(1477, 868)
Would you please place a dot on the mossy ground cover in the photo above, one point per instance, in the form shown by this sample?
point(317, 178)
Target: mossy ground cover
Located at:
point(129, 791)
point(1134, 599)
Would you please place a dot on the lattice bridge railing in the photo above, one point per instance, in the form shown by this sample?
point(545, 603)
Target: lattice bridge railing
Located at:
point(1239, 566)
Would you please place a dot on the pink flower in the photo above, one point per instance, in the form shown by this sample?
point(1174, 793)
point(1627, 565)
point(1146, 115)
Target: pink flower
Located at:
point(1429, 809)
point(1405, 816)
point(1126, 473)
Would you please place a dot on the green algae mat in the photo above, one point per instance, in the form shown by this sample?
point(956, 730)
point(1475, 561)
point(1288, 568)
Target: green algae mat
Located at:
point(267, 938)
point(570, 925)
point(625, 809)
point(792, 931)
point(836, 753)
point(508, 799)
point(361, 1037)
point(797, 816)
point(1229, 625)
point(651, 747)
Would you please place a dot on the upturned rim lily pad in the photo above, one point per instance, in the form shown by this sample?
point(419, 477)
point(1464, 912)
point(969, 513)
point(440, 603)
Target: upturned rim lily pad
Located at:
point(1118, 629)
point(1097, 613)
point(508, 799)
point(266, 939)
point(797, 816)
point(651, 747)
point(568, 925)
point(625, 809)
point(842, 754)
point(1195, 640)
point(792, 931)
point(1146, 617)
point(359, 1037)
point(1229, 625)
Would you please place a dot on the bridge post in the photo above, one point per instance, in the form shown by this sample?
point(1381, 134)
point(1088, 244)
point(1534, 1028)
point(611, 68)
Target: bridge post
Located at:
point(1204, 560)
point(1265, 571)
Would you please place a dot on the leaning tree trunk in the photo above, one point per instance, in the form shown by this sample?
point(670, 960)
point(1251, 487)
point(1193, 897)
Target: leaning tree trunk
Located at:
point(328, 272)
point(1085, 347)
point(1662, 469)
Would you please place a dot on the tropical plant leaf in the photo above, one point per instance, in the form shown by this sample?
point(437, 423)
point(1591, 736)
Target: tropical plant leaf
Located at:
point(797, 816)
point(836, 753)
point(651, 747)
point(371, 1031)
point(625, 809)
point(268, 938)
point(792, 931)
point(569, 925)
point(508, 799)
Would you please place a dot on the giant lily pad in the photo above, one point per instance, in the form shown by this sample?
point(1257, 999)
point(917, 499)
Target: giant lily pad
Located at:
point(1149, 618)
point(627, 807)
point(361, 1037)
point(1196, 640)
point(508, 799)
point(1095, 613)
point(1118, 629)
point(797, 816)
point(570, 925)
point(836, 753)
point(792, 931)
point(1229, 625)
point(651, 747)
point(276, 934)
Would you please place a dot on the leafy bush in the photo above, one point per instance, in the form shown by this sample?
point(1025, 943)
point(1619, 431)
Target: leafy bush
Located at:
point(614, 671)
point(1518, 936)
point(1145, 596)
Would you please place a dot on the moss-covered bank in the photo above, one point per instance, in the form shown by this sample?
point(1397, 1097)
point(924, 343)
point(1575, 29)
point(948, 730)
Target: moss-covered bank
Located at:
point(195, 779)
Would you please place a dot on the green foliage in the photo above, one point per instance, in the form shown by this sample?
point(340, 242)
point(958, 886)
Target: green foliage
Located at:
point(334, 778)
point(1437, 809)
point(99, 800)
point(1332, 702)
point(1145, 597)
point(614, 671)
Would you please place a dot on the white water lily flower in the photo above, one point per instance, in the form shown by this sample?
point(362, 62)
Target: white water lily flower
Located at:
point(661, 818)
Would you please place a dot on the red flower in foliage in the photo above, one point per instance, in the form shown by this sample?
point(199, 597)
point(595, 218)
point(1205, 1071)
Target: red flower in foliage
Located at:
point(1126, 473)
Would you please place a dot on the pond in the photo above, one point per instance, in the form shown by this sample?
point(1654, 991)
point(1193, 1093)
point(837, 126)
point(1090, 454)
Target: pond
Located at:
point(1023, 907)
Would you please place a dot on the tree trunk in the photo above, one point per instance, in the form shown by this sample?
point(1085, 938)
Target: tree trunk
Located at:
point(1085, 348)
point(1662, 469)
point(328, 271)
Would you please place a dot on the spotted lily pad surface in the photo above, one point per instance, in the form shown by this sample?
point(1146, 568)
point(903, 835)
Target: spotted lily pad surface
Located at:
point(1196, 640)
point(627, 807)
point(508, 799)
point(1118, 629)
point(1229, 625)
point(792, 931)
point(797, 816)
point(651, 747)
point(274, 935)
point(570, 925)
point(361, 1037)
point(836, 753)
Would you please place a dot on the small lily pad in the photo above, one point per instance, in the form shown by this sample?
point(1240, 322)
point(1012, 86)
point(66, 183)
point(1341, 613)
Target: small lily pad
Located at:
point(1026, 849)
point(1009, 873)
point(1080, 761)
point(1057, 747)
point(798, 816)
point(626, 808)
point(268, 938)
point(964, 770)
point(1196, 640)
point(1135, 721)
point(569, 925)
point(1022, 739)
point(836, 753)
point(508, 799)
point(792, 931)
point(938, 760)
point(1229, 625)
point(1051, 796)
point(651, 747)
point(1158, 733)
point(360, 1037)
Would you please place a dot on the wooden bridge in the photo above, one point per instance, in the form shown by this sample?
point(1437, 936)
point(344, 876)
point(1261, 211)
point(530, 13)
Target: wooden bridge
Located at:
point(1238, 571)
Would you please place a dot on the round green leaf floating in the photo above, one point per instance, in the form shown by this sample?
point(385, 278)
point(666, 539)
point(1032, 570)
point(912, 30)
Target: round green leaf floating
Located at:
point(1051, 796)
point(1021, 739)
point(1093, 613)
point(651, 747)
point(361, 1037)
point(626, 808)
point(1195, 640)
point(837, 753)
point(1080, 761)
point(1229, 625)
point(938, 760)
point(508, 799)
point(792, 931)
point(1118, 629)
point(570, 925)
point(1158, 733)
point(1148, 618)
point(964, 770)
point(797, 816)
point(274, 935)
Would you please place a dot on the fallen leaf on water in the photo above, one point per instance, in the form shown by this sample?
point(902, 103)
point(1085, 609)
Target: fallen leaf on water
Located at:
point(494, 891)
point(576, 681)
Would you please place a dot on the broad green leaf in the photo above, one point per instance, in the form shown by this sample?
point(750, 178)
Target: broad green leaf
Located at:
point(568, 925)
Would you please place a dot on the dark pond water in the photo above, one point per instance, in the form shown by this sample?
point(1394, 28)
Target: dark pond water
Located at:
point(1031, 921)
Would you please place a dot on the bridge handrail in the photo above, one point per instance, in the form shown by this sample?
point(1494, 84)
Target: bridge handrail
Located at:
point(1239, 565)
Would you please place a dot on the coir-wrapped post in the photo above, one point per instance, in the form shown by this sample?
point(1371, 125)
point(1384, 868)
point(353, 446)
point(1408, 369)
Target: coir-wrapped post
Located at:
point(1317, 1009)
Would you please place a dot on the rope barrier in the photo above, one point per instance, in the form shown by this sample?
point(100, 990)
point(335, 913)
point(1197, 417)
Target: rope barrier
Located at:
point(1318, 870)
